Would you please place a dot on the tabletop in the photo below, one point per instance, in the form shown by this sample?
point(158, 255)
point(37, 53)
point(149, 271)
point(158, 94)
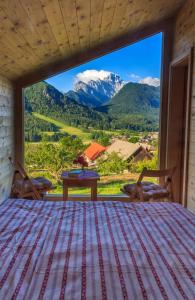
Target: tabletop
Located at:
point(85, 174)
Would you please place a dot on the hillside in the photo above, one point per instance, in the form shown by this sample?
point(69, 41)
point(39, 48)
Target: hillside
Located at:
point(63, 128)
point(45, 99)
point(135, 98)
point(135, 106)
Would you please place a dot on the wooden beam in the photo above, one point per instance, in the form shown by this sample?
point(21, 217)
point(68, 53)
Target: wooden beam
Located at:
point(100, 50)
point(165, 65)
point(19, 124)
point(178, 122)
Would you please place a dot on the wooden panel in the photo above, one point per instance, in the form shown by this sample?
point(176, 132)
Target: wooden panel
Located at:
point(68, 9)
point(99, 50)
point(96, 18)
point(83, 19)
point(184, 39)
point(55, 19)
point(39, 33)
point(6, 136)
point(176, 119)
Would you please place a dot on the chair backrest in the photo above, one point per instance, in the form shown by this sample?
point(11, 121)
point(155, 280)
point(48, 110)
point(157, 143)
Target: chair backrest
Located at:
point(19, 170)
point(166, 173)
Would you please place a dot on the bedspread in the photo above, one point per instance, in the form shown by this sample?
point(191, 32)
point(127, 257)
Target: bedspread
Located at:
point(96, 250)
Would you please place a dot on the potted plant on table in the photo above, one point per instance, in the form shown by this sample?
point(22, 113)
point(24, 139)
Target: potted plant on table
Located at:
point(80, 160)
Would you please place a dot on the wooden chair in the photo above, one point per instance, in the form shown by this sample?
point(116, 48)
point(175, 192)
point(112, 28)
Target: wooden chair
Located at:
point(25, 187)
point(147, 191)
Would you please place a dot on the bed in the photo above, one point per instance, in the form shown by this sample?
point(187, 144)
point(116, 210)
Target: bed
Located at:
point(96, 250)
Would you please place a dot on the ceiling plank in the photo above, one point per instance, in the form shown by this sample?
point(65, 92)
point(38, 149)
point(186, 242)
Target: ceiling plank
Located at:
point(14, 40)
point(39, 20)
point(19, 18)
point(107, 17)
point(122, 6)
point(95, 21)
point(83, 19)
point(68, 9)
point(55, 19)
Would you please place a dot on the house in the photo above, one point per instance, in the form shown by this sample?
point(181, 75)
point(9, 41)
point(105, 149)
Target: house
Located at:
point(94, 151)
point(129, 151)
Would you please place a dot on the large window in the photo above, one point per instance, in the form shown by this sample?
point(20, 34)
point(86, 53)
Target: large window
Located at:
point(106, 110)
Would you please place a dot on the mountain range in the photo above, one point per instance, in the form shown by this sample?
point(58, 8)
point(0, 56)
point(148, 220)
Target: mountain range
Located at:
point(107, 103)
point(94, 93)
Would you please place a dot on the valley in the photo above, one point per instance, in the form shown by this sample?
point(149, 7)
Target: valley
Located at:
point(59, 126)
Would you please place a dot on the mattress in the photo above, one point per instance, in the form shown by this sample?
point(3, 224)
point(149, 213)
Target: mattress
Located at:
point(96, 250)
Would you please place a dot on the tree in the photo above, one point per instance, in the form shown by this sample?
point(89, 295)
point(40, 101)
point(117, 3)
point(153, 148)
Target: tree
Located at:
point(101, 137)
point(151, 164)
point(134, 139)
point(113, 164)
point(53, 157)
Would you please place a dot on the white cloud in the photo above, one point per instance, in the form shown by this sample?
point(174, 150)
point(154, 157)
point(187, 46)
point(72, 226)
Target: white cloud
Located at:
point(134, 76)
point(150, 81)
point(88, 75)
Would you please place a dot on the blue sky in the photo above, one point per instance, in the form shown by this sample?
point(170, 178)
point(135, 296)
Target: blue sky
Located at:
point(132, 63)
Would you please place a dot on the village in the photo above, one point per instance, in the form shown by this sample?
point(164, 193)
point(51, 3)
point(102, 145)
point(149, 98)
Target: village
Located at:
point(127, 151)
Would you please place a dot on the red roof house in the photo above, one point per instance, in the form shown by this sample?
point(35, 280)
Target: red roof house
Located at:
point(94, 151)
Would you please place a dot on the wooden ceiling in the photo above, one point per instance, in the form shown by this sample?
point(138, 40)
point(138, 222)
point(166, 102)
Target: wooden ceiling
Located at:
point(37, 33)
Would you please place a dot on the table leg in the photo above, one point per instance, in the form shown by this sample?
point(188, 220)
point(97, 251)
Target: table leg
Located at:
point(65, 192)
point(94, 192)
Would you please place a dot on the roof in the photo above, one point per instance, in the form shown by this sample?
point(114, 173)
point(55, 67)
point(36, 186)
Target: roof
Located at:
point(94, 151)
point(123, 148)
point(41, 33)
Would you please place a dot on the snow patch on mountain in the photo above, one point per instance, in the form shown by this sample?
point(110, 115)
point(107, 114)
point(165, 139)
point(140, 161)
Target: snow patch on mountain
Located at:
point(94, 88)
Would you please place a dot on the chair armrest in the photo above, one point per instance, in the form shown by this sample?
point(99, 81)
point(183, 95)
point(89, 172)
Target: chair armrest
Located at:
point(139, 190)
point(142, 175)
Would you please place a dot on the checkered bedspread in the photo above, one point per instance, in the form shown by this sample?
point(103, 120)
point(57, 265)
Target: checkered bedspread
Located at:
point(96, 250)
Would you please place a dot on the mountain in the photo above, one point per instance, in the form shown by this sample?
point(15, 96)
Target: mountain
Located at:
point(94, 93)
point(45, 99)
point(135, 98)
point(135, 106)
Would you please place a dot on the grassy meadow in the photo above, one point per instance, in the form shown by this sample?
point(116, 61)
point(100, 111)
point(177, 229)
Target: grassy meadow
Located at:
point(108, 185)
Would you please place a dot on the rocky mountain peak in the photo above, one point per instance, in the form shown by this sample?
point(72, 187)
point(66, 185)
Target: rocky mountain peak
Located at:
point(96, 90)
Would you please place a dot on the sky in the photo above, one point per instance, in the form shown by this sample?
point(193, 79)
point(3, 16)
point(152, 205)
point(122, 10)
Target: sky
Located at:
point(139, 62)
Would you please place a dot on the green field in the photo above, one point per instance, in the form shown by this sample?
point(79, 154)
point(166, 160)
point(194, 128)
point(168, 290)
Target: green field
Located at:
point(110, 188)
point(85, 136)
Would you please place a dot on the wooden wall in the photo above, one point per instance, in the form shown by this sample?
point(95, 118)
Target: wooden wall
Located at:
point(184, 40)
point(6, 136)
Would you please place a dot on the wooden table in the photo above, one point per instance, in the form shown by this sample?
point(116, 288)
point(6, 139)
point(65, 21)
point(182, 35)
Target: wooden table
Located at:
point(87, 178)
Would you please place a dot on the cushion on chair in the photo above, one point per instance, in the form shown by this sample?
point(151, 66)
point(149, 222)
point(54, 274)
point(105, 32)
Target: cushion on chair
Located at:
point(150, 190)
point(44, 182)
point(40, 183)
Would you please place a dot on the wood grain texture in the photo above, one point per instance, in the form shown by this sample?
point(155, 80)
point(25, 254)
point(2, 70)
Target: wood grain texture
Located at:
point(184, 39)
point(37, 33)
point(6, 136)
